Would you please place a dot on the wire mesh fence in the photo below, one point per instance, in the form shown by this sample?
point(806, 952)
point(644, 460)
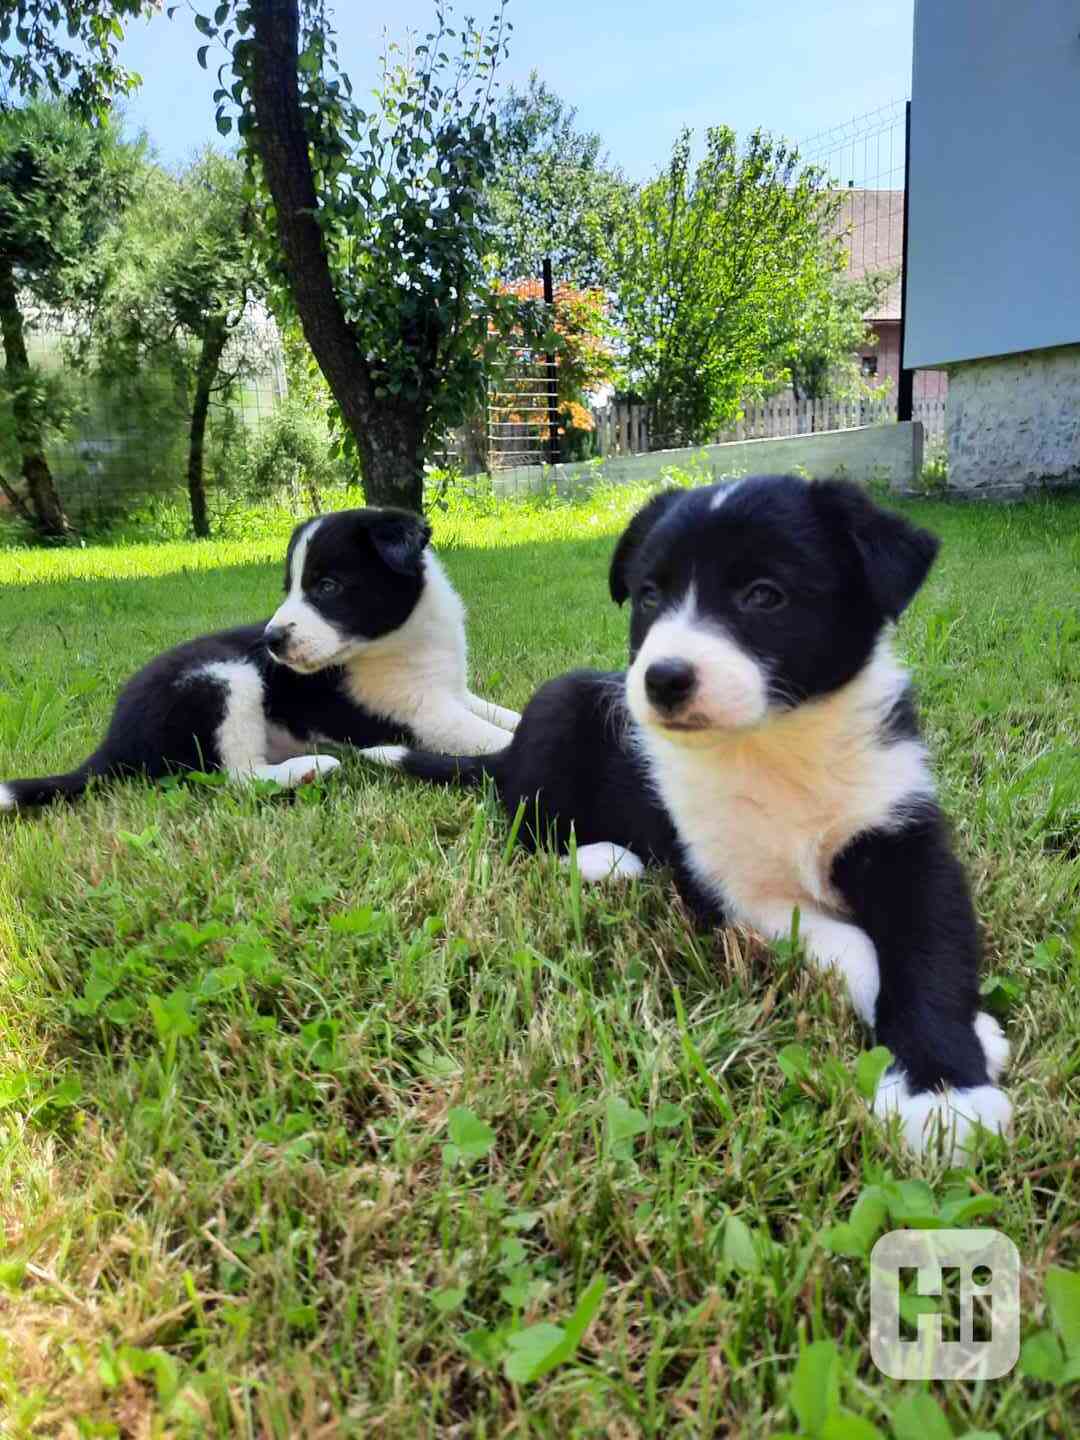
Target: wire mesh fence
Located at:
point(865, 160)
point(116, 442)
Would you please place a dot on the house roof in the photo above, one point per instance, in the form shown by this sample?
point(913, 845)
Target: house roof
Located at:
point(872, 223)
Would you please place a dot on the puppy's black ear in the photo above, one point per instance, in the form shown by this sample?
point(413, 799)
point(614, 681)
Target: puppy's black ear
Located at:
point(631, 538)
point(400, 540)
point(894, 554)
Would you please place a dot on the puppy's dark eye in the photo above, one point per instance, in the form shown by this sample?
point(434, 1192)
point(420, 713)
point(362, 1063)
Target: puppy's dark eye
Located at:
point(762, 595)
point(648, 597)
point(327, 586)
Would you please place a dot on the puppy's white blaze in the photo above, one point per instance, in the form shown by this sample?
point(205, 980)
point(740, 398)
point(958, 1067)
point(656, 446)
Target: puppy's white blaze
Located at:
point(392, 756)
point(994, 1044)
point(724, 494)
point(7, 798)
point(606, 861)
point(313, 642)
point(952, 1115)
point(732, 690)
point(299, 557)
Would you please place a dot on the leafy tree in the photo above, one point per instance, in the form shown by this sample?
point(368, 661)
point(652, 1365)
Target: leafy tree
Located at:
point(381, 218)
point(555, 191)
point(818, 353)
point(66, 47)
point(184, 272)
point(713, 262)
point(62, 184)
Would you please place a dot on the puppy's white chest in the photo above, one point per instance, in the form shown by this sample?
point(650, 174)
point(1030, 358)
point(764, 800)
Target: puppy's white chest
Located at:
point(764, 817)
point(753, 839)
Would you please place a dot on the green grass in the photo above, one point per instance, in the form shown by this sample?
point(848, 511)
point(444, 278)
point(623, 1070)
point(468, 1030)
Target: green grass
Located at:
point(313, 1109)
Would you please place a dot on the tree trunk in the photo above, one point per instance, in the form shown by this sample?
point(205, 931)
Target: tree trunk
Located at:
point(48, 512)
point(388, 438)
point(213, 343)
point(392, 463)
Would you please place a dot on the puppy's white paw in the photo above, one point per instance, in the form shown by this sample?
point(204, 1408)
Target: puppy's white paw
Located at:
point(605, 861)
point(297, 771)
point(492, 742)
point(391, 756)
point(7, 798)
point(505, 719)
point(948, 1117)
point(994, 1044)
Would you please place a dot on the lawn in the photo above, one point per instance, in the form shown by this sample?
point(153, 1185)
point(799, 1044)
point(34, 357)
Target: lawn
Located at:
point(318, 1114)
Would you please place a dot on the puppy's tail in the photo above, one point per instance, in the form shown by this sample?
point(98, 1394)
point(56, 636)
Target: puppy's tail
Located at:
point(25, 794)
point(464, 770)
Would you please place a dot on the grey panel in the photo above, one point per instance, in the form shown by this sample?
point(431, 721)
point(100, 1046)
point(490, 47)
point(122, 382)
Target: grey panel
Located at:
point(994, 244)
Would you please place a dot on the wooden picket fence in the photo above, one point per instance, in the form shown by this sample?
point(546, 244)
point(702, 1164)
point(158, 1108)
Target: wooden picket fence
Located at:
point(622, 428)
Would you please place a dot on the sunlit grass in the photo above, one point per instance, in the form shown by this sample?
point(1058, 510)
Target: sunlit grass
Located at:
point(311, 1107)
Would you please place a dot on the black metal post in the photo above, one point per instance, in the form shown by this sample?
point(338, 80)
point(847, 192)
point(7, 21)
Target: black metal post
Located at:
point(551, 371)
point(905, 391)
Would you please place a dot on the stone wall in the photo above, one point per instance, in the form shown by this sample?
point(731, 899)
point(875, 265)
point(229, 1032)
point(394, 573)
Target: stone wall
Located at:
point(1013, 424)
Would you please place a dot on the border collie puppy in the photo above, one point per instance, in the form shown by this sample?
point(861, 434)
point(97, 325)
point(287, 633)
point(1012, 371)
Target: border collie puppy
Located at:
point(367, 647)
point(764, 744)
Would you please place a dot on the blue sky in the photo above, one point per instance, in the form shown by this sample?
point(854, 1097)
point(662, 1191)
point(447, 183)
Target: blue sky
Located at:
point(637, 72)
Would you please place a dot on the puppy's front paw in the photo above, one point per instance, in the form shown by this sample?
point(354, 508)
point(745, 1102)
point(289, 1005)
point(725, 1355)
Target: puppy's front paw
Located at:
point(605, 861)
point(302, 769)
point(391, 756)
point(994, 1044)
point(949, 1117)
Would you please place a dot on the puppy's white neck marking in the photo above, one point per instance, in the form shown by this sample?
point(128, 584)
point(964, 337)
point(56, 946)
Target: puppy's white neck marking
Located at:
point(764, 812)
point(408, 672)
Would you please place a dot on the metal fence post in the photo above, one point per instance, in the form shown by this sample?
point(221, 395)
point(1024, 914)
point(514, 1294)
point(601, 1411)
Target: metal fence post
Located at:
point(905, 390)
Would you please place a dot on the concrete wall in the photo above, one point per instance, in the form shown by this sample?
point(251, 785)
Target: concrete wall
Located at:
point(994, 204)
point(884, 454)
point(1014, 424)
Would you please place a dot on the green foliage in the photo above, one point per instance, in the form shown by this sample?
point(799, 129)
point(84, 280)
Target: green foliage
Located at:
point(68, 47)
point(176, 319)
point(818, 351)
point(62, 185)
point(713, 262)
point(404, 216)
point(554, 191)
point(291, 456)
point(182, 258)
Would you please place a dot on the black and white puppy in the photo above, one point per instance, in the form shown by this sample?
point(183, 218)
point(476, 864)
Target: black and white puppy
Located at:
point(367, 647)
point(764, 744)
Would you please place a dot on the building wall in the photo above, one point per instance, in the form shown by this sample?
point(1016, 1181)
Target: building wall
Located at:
point(994, 204)
point(929, 384)
point(1014, 423)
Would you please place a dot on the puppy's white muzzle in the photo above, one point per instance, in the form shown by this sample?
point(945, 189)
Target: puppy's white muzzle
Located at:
point(299, 637)
point(689, 679)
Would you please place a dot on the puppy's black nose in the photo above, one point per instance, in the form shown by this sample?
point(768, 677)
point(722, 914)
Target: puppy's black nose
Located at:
point(275, 636)
point(670, 683)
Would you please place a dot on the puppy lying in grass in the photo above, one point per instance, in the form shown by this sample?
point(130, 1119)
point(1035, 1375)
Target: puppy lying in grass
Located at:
point(764, 745)
point(368, 646)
